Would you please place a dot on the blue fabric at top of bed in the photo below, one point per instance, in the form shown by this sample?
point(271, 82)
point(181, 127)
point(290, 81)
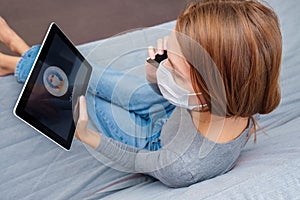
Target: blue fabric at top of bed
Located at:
point(32, 167)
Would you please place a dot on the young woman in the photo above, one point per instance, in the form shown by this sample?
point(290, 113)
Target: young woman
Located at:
point(219, 79)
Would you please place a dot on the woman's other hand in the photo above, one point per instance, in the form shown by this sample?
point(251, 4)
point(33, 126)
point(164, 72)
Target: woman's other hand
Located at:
point(87, 136)
point(151, 69)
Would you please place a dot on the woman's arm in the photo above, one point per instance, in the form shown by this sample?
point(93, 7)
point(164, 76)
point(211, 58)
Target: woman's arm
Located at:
point(165, 164)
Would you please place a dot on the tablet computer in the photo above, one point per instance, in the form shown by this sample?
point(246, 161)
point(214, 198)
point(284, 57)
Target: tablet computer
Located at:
point(59, 75)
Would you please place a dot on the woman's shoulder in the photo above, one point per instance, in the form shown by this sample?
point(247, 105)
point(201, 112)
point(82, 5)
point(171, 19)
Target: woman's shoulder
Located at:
point(180, 126)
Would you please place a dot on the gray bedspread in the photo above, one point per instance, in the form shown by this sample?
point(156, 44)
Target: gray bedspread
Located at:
point(32, 167)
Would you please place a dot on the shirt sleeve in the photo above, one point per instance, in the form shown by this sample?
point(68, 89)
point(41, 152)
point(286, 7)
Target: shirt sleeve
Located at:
point(164, 164)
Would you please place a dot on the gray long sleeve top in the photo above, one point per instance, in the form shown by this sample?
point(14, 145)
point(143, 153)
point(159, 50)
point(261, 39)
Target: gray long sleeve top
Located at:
point(186, 156)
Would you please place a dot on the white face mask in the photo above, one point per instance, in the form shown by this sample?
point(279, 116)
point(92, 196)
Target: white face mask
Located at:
point(173, 92)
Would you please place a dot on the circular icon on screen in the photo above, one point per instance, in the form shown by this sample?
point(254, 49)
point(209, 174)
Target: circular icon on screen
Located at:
point(55, 81)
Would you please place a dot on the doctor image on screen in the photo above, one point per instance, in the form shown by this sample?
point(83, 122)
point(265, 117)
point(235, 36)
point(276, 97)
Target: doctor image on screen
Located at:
point(55, 81)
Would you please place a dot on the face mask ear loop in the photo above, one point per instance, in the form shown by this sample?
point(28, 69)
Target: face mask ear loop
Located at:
point(200, 106)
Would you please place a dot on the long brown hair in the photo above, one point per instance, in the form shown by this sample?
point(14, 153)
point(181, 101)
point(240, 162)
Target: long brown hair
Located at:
point(243, 39)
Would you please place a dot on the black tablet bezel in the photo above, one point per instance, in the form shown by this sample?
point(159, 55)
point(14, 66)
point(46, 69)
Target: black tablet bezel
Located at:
point(19, 109)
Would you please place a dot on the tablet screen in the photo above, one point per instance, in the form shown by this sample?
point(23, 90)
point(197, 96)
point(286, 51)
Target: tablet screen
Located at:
point(59, 76)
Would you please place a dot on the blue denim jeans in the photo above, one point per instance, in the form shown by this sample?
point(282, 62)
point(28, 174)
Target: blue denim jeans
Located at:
point(121, 105)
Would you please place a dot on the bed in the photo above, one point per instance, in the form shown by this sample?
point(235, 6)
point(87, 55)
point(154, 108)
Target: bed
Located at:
point(32, 167)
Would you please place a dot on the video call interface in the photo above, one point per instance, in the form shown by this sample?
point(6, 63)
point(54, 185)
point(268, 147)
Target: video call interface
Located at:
point(50, 101)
